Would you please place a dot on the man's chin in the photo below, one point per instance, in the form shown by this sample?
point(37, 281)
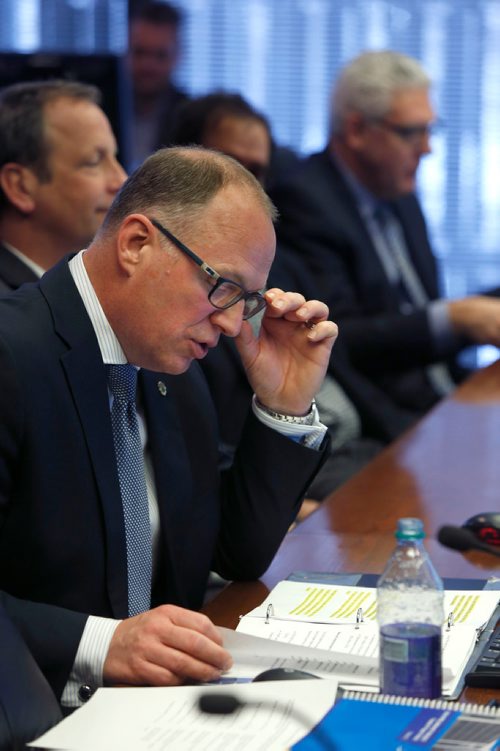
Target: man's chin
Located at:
point(404, 188)
point(409, 185)
point(171, 366)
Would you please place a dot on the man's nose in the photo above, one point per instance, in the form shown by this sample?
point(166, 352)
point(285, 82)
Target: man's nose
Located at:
point(116, 176)
point(229, 320)
point(424, 146)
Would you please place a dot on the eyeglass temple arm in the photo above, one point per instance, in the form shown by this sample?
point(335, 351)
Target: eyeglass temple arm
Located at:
point(208, 269)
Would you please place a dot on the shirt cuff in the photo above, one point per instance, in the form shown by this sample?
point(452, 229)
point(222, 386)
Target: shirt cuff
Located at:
point(86, 674)
point(445, 340)
point(308, 435)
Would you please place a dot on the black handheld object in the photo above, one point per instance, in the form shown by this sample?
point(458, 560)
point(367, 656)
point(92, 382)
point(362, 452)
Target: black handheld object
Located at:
point(461, 538)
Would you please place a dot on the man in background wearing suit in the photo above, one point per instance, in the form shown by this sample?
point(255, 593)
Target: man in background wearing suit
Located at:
point(101, 558)
point(58, 175)
point(352, 221)
point(152, 57)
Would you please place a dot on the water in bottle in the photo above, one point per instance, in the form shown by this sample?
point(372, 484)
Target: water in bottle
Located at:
point(410, 614)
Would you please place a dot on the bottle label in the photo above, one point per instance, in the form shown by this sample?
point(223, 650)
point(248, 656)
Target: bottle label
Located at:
point(410, 660)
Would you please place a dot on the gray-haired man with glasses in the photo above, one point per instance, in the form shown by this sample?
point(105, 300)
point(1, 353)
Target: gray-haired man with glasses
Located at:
point(109, 475)
point(354, 229)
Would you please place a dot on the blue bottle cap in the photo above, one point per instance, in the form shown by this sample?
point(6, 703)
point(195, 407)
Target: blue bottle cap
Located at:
point(410, 529)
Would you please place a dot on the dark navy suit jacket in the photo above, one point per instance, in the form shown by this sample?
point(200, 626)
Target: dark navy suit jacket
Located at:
point(27, 705)
point(62, 539)
point(13, 272)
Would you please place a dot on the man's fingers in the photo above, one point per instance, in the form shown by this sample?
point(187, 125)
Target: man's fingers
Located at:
point(193, 620)
point(294, 307)
point(167, 663)
point(168, 645)
point(317, 332)
point(196, 646)
point(280, 303)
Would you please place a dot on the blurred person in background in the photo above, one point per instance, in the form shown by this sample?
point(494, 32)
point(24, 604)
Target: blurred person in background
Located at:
point(152, 57)
point(58, 175)
point(352, 218)
point(227, 122)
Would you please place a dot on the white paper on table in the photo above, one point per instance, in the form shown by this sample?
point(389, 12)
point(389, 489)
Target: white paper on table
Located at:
point(155, 719)
point(353, 659)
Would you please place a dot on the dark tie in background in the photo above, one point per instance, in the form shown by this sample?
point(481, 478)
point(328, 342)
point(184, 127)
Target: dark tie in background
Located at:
point(122, 380)
point(411, 290)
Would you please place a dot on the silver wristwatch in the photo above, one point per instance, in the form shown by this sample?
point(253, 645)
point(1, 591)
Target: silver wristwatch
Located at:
point(307, 419)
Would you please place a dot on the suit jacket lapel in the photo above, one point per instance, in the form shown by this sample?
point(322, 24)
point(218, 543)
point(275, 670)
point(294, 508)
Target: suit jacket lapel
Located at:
point(171, 470)
point(87, 381)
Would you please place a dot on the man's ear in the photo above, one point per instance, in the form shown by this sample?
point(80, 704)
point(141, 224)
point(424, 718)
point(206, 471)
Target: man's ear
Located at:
point(19, 184)
point(135, 240)
point(355, 127)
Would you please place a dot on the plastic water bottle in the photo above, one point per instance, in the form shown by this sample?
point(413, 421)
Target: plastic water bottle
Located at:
point(410, 614)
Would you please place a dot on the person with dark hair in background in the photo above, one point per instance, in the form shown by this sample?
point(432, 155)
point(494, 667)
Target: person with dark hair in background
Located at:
point(350, 216)
point(110, 482)
point(153, 54)
point(225, 121)
point(58, 175)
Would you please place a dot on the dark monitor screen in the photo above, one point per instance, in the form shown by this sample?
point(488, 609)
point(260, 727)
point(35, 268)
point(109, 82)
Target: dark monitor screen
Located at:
point(104, 71)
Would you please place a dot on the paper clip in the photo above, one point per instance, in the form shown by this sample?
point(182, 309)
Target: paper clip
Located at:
point(450, 620)
point(269, 612)
point(359, 617)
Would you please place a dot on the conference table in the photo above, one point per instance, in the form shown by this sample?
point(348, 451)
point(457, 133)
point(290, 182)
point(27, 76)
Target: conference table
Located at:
point(444, 470)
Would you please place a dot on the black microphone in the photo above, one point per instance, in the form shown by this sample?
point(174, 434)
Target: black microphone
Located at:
point(460, 538)
point(219, 703)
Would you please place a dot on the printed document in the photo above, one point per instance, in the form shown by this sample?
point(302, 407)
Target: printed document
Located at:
point(276, 715)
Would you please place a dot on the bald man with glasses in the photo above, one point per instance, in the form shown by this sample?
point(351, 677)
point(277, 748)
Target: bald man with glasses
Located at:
point(109, 476)
point(354, 231)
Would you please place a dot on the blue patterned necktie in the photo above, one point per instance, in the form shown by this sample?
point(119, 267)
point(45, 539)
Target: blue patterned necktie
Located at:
point(122, 381)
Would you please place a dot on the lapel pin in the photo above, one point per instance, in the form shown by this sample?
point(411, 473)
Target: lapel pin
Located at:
point(162, 388)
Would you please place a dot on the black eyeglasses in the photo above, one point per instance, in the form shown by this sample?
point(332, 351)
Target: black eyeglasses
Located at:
point(224, 293)
point(411, 134)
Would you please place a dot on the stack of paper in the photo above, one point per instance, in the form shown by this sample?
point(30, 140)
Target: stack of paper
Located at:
point(343, 620)
point(273, 717)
